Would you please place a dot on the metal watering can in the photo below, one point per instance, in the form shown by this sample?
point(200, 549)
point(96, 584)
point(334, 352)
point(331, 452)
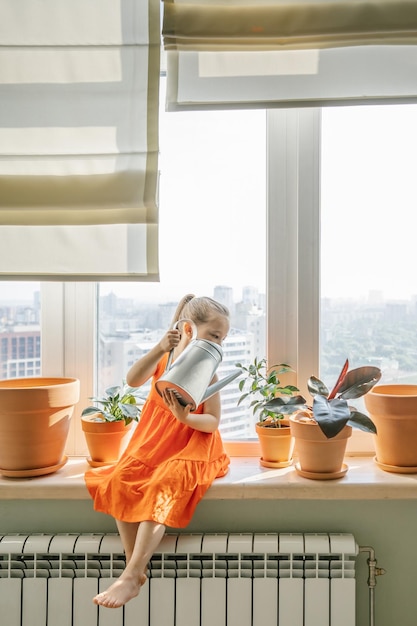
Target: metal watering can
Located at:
point(189, 377)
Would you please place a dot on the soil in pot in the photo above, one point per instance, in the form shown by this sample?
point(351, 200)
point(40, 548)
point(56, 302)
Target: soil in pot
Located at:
point(318, 456)
point(35, 415)
point(277, 444)
point(393, 409)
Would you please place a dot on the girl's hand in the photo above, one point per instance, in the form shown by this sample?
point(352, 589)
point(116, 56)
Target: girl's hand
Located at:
point(170, 340)
point(206, 422)
point(178, 410)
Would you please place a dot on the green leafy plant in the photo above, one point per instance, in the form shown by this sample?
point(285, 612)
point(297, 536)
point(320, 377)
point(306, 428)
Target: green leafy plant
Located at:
point(119, 403)
point(268, 394)
point(331, 410)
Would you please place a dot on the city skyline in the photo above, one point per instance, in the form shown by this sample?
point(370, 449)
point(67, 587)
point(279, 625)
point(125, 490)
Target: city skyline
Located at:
point(21, 293)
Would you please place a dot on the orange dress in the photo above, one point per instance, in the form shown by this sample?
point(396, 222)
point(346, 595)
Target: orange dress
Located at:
point(165, 470)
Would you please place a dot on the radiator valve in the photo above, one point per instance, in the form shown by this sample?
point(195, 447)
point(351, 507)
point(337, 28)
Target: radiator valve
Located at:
point(374, 571)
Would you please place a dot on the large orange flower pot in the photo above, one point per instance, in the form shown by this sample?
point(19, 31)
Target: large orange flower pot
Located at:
point(105, 440)
point(35, 415)
point(393, 409)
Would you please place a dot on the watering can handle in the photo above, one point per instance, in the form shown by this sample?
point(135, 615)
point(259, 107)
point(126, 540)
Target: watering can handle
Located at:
point(171, 352)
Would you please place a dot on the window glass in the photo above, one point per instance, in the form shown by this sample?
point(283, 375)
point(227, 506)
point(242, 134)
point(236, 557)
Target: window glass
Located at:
point(212, 205)
point(368, 250)
point(20, 329)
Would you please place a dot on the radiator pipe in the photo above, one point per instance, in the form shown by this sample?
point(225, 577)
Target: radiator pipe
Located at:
point(373, 572)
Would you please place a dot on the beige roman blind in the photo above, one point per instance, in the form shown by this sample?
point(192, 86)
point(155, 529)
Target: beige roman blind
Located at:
point(266, 53)
point(79, 98)
point(289, 24)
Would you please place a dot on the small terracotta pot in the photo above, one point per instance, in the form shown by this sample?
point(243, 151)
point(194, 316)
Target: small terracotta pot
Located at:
point(316, 453)
point(105, 440)
point(277, 444)
point(35, 415)
point(393, 409)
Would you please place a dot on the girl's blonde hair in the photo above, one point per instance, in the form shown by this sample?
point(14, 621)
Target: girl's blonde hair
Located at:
point(199, 310)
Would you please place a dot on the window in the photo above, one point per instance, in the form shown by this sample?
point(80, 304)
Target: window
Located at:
point(368, 252)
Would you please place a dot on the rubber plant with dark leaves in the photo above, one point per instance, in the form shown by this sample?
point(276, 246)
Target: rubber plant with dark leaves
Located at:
point(270, 399)
point(331, 409)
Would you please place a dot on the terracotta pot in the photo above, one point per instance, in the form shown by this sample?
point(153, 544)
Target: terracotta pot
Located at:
point(393, 409)
point(105, 440)
point(277, 444)
point(316, 453)
point(35, 415)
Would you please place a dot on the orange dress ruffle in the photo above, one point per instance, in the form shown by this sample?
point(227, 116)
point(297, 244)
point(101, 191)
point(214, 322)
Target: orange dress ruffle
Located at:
point(165, 470)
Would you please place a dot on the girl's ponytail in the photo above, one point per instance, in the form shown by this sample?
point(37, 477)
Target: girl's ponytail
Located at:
point(181, 305)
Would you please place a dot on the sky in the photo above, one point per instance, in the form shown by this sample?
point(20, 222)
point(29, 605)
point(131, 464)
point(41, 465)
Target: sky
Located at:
point(369, 201)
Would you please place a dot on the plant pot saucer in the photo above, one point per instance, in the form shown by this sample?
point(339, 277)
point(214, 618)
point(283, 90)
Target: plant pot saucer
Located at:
point(396, 469)
point(275, 464)
point(321, 475)
point(30, 473)
point(99, 463)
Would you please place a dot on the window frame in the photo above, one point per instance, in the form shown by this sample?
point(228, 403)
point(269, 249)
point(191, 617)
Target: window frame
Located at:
point(68, 344)
point(293, 207)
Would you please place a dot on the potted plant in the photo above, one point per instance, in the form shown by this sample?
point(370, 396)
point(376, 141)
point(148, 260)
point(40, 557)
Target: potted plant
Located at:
point(272, 402)
point(107, 423)
point(330, 421)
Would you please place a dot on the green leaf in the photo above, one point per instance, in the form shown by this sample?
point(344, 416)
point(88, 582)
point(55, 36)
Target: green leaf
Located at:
point(330, 415)
point(358, 382)
point(243, 397)
point(90, 410)
point(361, 421)
point(288, 390)
point(112, 392)
point(285, 405)
point(110, 417)
point(316, 386)
point(129, 410)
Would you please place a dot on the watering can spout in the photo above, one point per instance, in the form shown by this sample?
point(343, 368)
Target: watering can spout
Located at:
point(215, 387)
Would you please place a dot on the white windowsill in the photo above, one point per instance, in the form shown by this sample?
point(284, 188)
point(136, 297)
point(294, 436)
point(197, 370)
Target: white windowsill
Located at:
point(246, 480)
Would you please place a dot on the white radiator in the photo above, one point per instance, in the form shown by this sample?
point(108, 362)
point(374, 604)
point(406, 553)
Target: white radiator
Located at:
point(274, 579)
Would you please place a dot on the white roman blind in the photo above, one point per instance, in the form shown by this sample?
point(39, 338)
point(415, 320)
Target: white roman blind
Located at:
point(276, 53)
point(79, 98)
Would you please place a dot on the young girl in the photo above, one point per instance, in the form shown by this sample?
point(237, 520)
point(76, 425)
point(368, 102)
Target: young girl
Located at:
point(172, 458)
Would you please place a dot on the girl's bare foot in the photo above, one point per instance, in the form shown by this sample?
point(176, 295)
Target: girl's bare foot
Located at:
point(121, 591)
